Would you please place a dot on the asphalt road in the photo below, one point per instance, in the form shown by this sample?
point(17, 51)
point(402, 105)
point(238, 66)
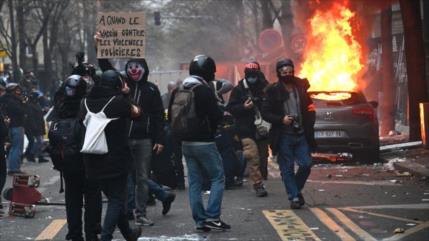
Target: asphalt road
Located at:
point(343, 203)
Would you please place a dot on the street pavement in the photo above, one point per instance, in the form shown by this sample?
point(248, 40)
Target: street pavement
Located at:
point(344, 202)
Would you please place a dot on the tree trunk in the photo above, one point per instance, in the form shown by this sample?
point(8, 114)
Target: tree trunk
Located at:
point(20, 21)
point(387, 106)
point(34, 60)
point(286, 23)
point(16, 73)
point(415, 57)
point(267, 21)
point(90, 13)
point(46, 62)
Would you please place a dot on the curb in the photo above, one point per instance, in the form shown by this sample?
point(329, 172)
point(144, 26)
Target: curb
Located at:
point(412, 167)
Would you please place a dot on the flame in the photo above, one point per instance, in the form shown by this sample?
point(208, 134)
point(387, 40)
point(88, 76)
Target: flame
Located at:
point(332, 96)
point(332, 57)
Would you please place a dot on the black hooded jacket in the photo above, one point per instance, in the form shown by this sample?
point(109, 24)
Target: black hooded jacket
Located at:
point(117, 162)
point(245, 118)
point(146, 95)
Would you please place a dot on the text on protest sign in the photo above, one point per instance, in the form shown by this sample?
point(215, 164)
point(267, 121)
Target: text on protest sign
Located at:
point(122, 34)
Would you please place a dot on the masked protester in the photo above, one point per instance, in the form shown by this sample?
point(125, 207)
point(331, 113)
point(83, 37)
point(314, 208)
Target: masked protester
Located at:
point(146, 133)
point(245, 105)
point(198, 141)
point(111, 170)
point(79, 190)
point(291, 112)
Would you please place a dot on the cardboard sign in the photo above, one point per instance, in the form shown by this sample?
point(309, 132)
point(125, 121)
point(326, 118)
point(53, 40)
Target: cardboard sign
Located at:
point(122, 35)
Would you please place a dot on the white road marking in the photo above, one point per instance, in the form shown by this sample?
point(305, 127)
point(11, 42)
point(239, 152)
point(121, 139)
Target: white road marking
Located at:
point(418, 206)
point(365, 183)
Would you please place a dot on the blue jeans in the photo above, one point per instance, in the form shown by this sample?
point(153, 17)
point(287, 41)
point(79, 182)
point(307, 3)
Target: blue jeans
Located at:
point(36, 149)
point(17, 146)
point(154, 188)
point(142, 155)
point(204, 157)
point(294, 148)
point(116, 192)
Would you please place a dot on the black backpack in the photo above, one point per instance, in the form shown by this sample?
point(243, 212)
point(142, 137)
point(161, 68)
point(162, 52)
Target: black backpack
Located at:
point(65, 143)
point(184, 121)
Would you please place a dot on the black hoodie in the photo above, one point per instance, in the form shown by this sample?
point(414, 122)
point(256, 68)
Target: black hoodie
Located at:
point(146, 95)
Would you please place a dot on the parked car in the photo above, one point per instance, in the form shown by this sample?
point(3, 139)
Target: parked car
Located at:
point(346, 122)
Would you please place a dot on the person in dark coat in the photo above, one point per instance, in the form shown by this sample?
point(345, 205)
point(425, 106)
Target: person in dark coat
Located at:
point(14, 103)
point(111, 170)
point(245, 105)
point(79, 190)
point(36, 129)
point(146, 133)
point(290, 110)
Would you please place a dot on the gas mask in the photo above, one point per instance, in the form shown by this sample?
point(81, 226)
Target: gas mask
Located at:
point(135, 71)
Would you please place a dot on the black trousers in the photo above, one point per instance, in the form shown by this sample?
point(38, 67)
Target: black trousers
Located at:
point(82, 193)
point(3, 168)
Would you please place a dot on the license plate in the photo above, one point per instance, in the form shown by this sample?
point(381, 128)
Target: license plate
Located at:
point(329, 134)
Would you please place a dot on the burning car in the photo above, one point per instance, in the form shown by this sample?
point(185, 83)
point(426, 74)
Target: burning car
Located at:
point(346, 122)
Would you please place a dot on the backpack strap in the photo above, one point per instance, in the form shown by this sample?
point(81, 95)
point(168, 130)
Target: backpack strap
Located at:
point(108, 102)
point(86, 106)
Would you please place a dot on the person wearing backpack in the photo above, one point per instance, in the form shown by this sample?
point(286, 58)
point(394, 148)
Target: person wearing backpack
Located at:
point(110, 169)
point(245, 105)
point(194, 116)
point(64, 148)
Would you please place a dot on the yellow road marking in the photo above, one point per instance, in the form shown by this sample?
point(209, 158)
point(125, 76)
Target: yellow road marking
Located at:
point(332, 225)
point(407, 232)
point(51, 231)
point(381, 215)
point(351, 225)
point(289, 226)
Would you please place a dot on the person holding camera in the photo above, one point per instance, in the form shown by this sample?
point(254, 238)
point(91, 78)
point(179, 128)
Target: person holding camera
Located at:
point(291, 112)
point(245, 105)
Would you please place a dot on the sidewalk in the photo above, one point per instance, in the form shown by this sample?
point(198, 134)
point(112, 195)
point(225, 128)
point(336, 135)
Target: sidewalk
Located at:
point(414, 160)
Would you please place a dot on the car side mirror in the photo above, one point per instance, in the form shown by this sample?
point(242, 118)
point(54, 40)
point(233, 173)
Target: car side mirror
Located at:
point(373, 103)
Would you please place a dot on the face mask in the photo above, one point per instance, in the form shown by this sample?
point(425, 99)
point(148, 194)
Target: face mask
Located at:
point(286, 79)
point(135, 71)
point(252, 80)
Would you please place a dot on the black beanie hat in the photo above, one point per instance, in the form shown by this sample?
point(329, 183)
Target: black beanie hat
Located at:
point(284, 62)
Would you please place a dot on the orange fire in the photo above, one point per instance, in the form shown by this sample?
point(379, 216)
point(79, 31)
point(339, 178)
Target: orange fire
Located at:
point(333, 56)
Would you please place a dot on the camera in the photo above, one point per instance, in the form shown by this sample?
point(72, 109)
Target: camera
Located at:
point(295, 123)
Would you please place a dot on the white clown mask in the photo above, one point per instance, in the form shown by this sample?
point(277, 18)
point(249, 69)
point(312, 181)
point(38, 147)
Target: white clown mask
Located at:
point(135, 71)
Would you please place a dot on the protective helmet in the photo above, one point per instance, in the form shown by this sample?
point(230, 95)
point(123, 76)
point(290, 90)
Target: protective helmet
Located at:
point(12, 87)
point(74, 85)
point(111, 79)
point(284, 62)
point(203, 66)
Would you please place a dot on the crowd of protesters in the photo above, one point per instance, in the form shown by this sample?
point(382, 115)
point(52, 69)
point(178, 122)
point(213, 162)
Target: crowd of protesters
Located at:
point(147, 140)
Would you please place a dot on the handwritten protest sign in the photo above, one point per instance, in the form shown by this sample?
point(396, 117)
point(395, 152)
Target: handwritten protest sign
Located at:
point(122, 34)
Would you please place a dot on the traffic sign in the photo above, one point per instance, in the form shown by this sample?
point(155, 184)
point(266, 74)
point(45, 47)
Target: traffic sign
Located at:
point(269, 40)
point(297, 43)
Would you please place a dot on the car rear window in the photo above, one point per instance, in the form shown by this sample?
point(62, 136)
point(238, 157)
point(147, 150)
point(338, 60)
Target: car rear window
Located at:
point(326, 98)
